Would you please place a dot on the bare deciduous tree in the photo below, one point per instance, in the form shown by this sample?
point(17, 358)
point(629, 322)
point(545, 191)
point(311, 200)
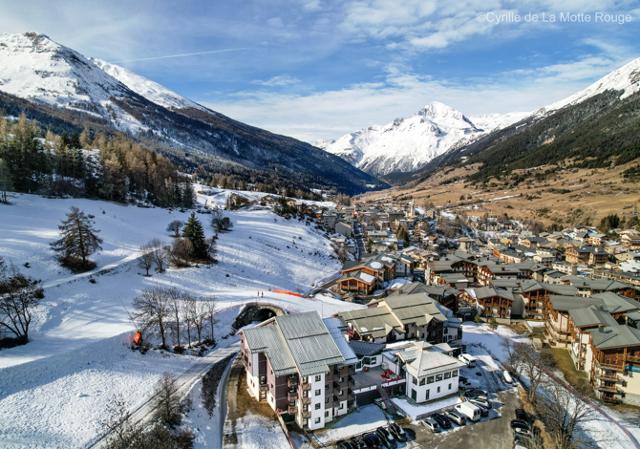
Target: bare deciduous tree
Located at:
point(146, 258)
point(199, 317)
point(160, 256)
point(211, 317)
point(181, 252)
point(175, 227)
point(562, 413)
point(168, 408)
point(523, 359)
point(188, 312)
point(18, 297)
point(151, 311)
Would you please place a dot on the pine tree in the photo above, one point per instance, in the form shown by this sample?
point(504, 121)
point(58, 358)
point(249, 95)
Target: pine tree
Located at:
point(79, 239)
point(194, 232)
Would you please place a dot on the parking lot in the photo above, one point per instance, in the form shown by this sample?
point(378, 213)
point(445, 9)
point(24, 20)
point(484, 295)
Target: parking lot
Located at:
point(487, 434)
point(490, 432)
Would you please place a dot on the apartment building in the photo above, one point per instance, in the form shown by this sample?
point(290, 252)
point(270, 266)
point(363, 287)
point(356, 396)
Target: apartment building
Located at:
point(399, 317)
point(301, 365)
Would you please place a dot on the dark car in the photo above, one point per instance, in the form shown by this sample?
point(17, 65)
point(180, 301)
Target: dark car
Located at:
point(398, 432)
point(372, 440)
point(520, 423)
point(522, 415)
point(442, 420)
point(387, 437)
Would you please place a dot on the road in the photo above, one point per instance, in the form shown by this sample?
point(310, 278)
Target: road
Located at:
point(144, 411)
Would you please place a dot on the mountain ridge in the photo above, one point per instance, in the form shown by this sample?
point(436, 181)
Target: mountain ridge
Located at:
point(407, 144)
point(63, 82)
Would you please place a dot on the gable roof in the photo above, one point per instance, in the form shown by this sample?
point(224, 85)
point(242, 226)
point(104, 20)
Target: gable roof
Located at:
point(299, 342)
point(618, 336)
point(422, 359)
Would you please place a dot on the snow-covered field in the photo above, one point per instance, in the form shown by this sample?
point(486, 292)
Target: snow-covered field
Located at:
point(53, 391)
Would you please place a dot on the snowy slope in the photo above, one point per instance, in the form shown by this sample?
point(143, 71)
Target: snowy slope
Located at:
point(409, 143)
point(150, 90)
point(626, 79)
point(54, 390)
point(34, 67)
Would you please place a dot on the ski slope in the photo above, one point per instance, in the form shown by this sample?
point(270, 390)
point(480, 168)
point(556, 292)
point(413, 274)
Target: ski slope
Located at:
point(55, 389)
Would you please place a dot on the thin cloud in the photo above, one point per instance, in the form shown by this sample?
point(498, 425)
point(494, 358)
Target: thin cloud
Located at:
point(277, 81)
point(183, 55)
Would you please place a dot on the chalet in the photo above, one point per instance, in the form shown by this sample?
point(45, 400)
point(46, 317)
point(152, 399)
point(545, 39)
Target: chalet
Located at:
point(589, 255)
point(490, 302)
point(615, 368)
point(559, 326)
point(397, 317)
point(588, 286)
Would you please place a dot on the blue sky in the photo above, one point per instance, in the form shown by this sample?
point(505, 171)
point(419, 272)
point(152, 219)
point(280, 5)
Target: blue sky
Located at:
point(316, 69)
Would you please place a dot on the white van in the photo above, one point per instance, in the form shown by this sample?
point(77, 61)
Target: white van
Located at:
point(468, 360)
point(507, 377)
point(469, 410)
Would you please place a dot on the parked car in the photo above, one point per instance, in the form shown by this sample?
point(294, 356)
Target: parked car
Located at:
point(431, 424)
point(469, 410)
point(372, 440)
point(480, 402)
point(476, 393)
point(443, 421)
point(467, 359)
point(521, 431)
point(520, 423)
point(456, 417)
point(387, 432)
point(398, 432)
point(522, 415)
point(383, 441)
point(387, 437)
point(507, 377)
point(484, 411)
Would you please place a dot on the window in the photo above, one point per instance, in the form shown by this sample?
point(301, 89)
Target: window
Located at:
point(454, 373)
point(326, 414)
point(317, 406)
point(413, 394)
point(430, 379)
point(449, 386)
point(318, 378)
point(318, 420)
point(438, 377)
point(414, 380)
point(422, 381)
point(318, 392)
point(438, 389)
point(447, 375)
point(426, 396)
point(341, 405)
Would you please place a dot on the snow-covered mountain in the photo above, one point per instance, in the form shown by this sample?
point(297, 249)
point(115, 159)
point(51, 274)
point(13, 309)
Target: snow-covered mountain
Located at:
point(35, 68)
point(626, 80)
point(598, 124)
point(150, 90)
point(49, 81)
point(406, 144)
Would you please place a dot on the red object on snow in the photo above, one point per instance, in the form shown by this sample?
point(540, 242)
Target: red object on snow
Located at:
point(137, 338)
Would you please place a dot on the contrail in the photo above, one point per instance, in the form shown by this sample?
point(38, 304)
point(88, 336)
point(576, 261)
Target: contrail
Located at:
point(183, 55)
